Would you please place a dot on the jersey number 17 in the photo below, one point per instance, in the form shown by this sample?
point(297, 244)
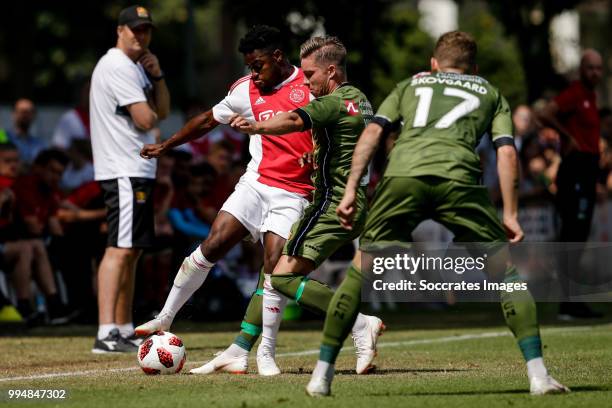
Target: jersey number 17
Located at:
point(468, 104)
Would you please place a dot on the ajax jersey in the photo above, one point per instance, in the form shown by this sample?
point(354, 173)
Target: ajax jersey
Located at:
point(274, 159)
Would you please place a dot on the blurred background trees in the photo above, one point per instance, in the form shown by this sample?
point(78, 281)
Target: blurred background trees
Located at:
point(47, 48)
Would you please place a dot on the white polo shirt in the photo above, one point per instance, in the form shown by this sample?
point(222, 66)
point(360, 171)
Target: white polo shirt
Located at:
point(116, 143)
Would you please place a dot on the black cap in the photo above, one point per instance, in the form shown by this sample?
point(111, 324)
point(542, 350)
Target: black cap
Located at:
point(135, 16)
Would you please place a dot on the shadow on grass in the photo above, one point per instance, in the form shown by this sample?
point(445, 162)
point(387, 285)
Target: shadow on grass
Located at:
point(381, 372)
point(583, 388)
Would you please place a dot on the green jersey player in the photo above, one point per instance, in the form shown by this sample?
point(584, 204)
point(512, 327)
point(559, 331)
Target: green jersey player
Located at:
point(433, 172)
point(337, 117)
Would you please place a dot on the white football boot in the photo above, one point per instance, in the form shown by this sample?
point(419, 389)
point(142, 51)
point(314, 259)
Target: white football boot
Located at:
point(365, 344)
point(265, 363)
point(318, 387)
point(223, 362)
point(161, 322)
point(546, 385)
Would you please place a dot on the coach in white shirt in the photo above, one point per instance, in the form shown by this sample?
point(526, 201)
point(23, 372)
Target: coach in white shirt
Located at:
point(128, 96)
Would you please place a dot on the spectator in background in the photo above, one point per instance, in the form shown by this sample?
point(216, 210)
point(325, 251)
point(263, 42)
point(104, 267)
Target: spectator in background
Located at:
point(524, 125)
point(36, 203)
point(220, 158)
point(202, 147)
point(73, 124)
point(28, 144)
point(80, 170)
point(180, 169)
point(184, 212)
point(157, 262)
point(605, 149)
point(574, 114)
point(13, 254)
point(82, 214)
point(38, 196)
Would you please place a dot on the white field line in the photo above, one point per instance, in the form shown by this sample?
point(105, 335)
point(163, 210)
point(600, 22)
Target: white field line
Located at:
point(448, 339)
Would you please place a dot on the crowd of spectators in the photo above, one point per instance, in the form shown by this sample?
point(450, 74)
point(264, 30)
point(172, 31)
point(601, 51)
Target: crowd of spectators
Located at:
point(52, 215)
point(539, 148)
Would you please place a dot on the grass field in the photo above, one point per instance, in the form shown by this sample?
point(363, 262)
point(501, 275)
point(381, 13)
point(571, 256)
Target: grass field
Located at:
point(459, 358)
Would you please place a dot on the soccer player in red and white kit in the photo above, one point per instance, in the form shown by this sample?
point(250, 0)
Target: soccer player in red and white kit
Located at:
point(269, 198)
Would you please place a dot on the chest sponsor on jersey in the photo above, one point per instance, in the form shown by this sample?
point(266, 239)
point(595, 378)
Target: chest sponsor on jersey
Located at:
point(267, 114)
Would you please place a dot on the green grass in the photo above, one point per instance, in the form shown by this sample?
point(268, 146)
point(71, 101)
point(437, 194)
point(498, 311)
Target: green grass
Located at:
point(419, 365)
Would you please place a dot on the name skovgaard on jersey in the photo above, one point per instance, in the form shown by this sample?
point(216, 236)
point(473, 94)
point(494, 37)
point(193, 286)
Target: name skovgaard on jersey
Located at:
point(470, 82)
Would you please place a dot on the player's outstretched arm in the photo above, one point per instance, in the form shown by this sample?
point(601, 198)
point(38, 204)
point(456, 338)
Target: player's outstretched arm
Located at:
point(507, 167)
point(196, 127)
point(280, 124)
point(364, 150)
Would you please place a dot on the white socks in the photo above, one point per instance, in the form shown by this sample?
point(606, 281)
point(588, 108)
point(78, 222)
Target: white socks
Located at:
point(126, 329)
point(189, 278)
point(323, 370)
point(536, 368)
point(104, 329)
point(272, 314)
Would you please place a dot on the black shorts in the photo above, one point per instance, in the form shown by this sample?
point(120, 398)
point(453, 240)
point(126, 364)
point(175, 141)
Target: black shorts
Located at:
point(129, 206)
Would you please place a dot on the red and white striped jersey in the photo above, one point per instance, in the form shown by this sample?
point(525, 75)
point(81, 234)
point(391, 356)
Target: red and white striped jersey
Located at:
point(275, 159)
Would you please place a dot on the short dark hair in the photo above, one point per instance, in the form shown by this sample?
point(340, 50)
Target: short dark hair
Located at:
point(326, 49)
point(456, 49)
point(261, 37)
point(47, 155)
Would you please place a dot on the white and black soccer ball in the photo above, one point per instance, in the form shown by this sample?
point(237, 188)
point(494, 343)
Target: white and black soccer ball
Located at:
point(162, 353)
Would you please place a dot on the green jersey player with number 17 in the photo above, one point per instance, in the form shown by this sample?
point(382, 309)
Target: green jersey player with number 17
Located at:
point(433, 173)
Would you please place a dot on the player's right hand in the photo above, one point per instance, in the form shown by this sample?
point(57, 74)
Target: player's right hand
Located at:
point(514, 232)
point(151, 151)
point(346, 210)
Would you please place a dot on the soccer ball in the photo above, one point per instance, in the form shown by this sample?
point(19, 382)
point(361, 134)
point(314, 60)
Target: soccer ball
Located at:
point(162, 353)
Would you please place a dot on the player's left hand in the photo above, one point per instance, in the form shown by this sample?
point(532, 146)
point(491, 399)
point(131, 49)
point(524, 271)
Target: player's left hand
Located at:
point(150, 63)
point(242, 125)
point(346, 209)
point(514, 232)
point(152, 151)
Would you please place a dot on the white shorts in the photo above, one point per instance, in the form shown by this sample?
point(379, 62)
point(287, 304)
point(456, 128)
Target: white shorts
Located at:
point(261, 208)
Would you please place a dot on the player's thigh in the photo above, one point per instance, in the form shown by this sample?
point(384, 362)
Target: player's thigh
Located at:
point(467, 211)
point(399, 205)
point(225, 232)
point(293, 265)
point(319, 234)
point(282, 210)
point(246, 206)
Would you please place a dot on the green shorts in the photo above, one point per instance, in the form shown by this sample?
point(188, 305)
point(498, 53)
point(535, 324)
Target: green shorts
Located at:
point(401, 203)
point(318, 234)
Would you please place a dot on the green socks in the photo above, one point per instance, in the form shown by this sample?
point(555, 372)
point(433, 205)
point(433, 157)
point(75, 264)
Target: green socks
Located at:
point(341, 314)
point(310, 294)
point(520, 313)
point(252, 322)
